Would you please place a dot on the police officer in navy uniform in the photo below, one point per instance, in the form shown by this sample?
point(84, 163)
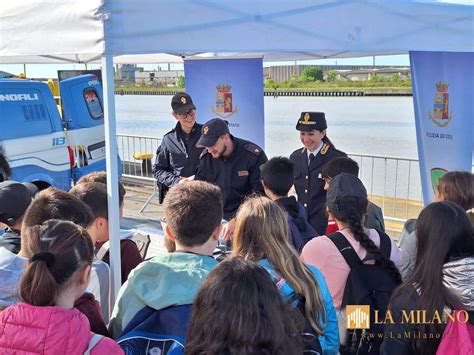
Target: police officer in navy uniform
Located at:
point(178, 157)
point(309, 161)
point(231, 163)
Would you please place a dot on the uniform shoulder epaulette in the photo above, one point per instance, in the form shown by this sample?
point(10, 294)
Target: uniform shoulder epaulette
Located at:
point(252, 148)
point(325, 148)
point(170, 132)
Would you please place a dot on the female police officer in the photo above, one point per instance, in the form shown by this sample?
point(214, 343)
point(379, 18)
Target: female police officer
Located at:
point(309, 161)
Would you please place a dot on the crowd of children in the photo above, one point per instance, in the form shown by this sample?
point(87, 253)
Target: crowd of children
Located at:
point(282, 289)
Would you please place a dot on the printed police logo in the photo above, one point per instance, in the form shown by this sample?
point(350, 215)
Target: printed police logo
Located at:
point(224, 107)
point(436, 174)
point(183, 100)
point(205, 130)
point(440, 114)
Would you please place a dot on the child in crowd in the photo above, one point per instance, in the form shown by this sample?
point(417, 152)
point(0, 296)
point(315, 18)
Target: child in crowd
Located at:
point(166, 285)
point(56, 204)
point(374, 217)
point(454, 186)
point(48, 204)
point(441, 281)
point(238, 310)
point(15, 198)
point(347, 203)
point(101, 176)
point(94, 195)
point(261, 234)
point(56, 275)
point(277, 179)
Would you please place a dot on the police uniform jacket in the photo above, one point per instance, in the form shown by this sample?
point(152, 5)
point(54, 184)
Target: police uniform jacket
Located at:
point(237, 175)
point(175, 158)
point(309, 187)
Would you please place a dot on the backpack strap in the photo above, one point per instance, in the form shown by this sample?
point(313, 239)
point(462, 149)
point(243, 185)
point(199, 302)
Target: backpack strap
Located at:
point(345, 248)
point(103, 250)
point(93, 342)
point(385, 244)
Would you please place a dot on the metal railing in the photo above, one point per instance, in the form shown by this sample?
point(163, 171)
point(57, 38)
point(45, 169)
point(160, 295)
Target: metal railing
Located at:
point(133, 150)
point(392, 182)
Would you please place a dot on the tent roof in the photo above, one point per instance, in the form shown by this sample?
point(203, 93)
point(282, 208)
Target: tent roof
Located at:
point(80, 31)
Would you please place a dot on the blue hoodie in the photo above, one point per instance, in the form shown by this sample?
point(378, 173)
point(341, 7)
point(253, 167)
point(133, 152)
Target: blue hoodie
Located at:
point(330, 339)
point(171, 279)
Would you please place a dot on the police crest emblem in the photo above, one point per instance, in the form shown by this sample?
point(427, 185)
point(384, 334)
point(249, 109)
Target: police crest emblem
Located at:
point(224, 107)
point(440, 114)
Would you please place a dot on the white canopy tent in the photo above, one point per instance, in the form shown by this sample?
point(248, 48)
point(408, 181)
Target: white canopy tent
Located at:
point(76, 31)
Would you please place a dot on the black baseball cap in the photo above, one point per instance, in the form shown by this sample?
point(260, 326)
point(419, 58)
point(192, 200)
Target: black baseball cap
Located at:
point(15, 197)
point(182, 103)
point(211, 131)
point(310, 121)
point(343, 189)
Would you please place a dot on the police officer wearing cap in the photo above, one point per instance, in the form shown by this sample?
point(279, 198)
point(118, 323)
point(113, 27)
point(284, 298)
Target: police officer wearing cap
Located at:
point(231, 163)
point(177, 157)
point(309, 162)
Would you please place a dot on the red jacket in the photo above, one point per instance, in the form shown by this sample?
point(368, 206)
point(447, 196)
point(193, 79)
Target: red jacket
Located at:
point(26, 329)
point(88, 305)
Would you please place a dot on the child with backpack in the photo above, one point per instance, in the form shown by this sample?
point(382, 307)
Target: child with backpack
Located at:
point(243, 313)
point(154, 304)
point(56, 275)
point(346, 257)
point(261, 234)
point(441, 282)
point(374, 216)
point(277, 179)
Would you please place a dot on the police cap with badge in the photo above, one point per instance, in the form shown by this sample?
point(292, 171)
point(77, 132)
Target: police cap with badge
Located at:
point(211, 131)
point(181, 103)
point(310, 121)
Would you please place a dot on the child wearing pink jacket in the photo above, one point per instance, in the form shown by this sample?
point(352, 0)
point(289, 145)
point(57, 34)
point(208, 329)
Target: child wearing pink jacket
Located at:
point(55, 277)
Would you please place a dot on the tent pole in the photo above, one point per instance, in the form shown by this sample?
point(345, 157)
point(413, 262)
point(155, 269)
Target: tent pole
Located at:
point(112, 174)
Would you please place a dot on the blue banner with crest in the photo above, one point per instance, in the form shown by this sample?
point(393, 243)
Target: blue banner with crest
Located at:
point(443, 87)
point(231, 89)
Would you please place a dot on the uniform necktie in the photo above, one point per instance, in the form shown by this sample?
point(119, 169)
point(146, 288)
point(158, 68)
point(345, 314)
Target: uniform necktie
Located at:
point(311, 158)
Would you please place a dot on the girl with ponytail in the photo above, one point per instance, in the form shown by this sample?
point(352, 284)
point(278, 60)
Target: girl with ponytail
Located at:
point(261, 235)
point(55, 277)
point(347, 203)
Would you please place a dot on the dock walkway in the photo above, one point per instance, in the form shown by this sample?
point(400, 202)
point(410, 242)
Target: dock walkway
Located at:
point(137, 195)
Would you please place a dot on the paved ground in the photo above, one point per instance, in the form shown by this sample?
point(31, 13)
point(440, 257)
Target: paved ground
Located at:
point(150, 217)
point(147, 222)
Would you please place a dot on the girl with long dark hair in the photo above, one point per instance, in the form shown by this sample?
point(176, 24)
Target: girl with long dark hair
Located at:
point(261, 234)
point(444, 234)
point(238, 310)
point(347, 203)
